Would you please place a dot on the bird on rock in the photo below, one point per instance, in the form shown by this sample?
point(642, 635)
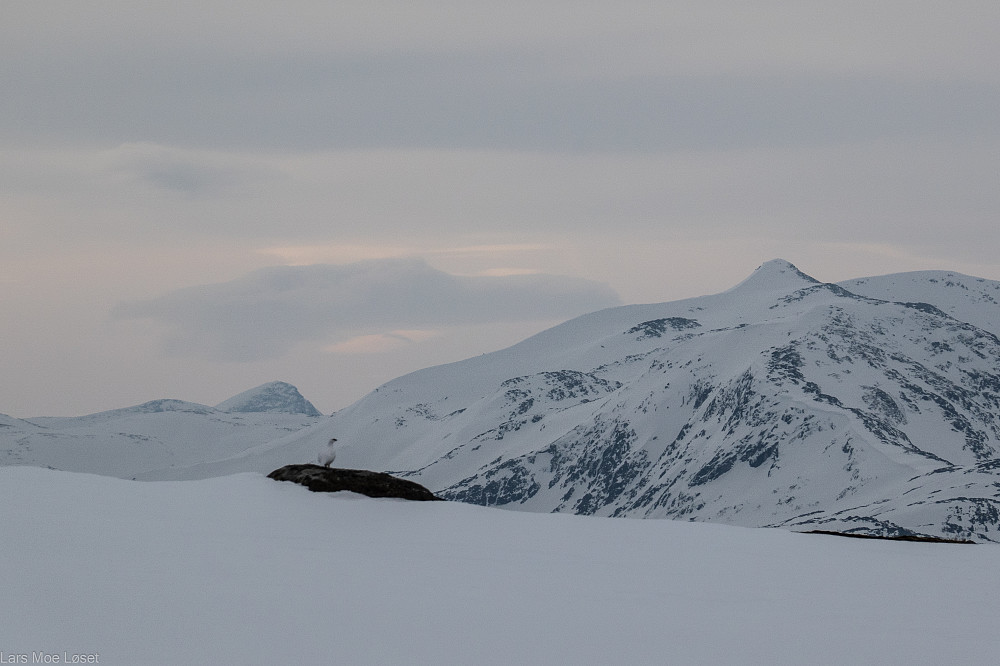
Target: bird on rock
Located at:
point(326, 457)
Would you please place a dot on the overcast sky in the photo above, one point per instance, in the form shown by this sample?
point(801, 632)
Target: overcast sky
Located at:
point(200, 197)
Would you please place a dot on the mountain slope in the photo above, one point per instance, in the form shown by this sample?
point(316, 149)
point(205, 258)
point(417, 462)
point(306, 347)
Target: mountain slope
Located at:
point(970, 299)
point(783, 402)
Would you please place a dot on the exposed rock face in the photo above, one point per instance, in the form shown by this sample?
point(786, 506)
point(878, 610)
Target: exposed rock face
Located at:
point(373, 484)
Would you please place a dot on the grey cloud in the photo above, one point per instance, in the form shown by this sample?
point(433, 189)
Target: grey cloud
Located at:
point(569, 76)
point(179, 171)
point(267, 312)
point(469, 100)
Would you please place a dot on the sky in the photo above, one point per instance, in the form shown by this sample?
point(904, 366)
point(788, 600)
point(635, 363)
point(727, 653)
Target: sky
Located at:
point(197, 198)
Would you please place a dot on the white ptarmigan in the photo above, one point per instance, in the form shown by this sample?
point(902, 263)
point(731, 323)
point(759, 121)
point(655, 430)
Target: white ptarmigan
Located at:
point(326, 457)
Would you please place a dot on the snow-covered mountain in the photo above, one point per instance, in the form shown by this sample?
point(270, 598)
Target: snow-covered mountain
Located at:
point(866, 406)
point(156, 436)
point(271, 398)
point(781, 402)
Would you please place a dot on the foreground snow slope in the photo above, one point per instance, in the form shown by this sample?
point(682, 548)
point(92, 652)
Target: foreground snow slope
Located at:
point(243, 570)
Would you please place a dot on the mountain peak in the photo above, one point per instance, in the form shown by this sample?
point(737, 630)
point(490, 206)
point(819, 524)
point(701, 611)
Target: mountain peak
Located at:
point(777, 274)
point(782, 267)
point(273, 397)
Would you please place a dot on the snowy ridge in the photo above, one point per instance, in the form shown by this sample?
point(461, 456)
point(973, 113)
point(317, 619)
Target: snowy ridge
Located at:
point(969, 299)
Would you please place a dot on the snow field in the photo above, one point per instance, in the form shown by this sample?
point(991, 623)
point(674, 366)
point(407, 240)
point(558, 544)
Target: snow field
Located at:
point(242, 569)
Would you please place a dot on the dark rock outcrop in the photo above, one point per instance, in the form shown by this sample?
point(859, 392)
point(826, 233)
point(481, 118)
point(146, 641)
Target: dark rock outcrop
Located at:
point(331, 479)
point(920, 538)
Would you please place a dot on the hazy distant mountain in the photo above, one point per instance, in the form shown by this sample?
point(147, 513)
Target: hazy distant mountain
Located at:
point(782, 402)
point(156, 436)
point(271, 398)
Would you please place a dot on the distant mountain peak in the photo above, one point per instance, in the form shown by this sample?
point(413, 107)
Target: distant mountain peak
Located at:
point(273, 397)
point(776, 274)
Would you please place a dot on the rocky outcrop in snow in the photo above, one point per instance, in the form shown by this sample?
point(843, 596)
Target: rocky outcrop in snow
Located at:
point(331, 479)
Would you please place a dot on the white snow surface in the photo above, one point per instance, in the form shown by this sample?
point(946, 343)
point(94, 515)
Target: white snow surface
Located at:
point(246, 570)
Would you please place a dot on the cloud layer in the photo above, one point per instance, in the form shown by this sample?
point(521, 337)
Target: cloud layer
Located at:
point(562, 76)
point(269, 311)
